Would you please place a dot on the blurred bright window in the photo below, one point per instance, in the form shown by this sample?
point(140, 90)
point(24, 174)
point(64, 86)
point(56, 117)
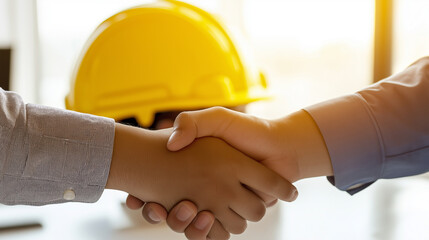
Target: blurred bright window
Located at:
point(310, 50)
point(410, 33)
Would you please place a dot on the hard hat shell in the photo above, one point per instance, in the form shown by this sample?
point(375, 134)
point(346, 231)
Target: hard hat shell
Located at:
point(158, 57)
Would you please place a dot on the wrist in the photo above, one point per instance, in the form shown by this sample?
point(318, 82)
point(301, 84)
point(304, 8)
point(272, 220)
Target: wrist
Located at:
point(136, 161)
point(305, 146)
point(130, 152)
point(114, 178)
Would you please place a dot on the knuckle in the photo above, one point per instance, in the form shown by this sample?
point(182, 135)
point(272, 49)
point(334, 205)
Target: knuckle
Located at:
point(182, 116)
point(424, 70)
point(218, 109)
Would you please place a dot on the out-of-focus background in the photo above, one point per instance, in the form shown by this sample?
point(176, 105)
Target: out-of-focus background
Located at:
point(310, 50)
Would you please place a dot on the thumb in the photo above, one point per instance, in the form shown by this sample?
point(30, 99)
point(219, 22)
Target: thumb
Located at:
point(251, 135)
point(194, 124)
point(184, 132)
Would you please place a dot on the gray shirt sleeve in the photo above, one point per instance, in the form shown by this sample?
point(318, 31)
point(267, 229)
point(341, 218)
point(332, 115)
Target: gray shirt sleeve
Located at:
point(50, 155)
point(379, 132)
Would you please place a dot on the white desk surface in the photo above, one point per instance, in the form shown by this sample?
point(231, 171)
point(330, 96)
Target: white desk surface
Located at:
point(387, 210)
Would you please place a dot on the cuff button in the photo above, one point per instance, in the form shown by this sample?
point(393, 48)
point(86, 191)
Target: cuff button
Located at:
point(69, 195)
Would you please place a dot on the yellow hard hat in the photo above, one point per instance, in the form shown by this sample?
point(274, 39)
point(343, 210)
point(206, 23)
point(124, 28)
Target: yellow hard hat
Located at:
point(164, 56)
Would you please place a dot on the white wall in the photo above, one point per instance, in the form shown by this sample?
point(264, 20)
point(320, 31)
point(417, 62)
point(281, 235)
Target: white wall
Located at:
point(18, 30)
point(25, 59)
point(5, 31)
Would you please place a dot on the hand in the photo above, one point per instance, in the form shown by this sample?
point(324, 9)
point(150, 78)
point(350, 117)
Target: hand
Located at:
point(209, 173)
point(258, 138)
point(291, 146)
point(265, 140)
point(184, 218)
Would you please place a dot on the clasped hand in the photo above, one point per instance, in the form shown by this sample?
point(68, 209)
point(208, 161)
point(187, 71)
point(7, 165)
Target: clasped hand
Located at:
point(257, 138)
point(220, 180)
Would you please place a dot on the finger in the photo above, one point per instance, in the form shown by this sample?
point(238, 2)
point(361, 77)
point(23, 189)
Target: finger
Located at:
point(154, 213)
point(265, 197)
point(133, 202)
point(181, 216)
point(200, 227)
point(271, 204)
point(251, 207)
point(217, 232)
point(260, 178)
point(232, 222)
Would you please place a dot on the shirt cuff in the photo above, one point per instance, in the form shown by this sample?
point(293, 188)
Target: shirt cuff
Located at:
point(69, 156)
point(352, 139)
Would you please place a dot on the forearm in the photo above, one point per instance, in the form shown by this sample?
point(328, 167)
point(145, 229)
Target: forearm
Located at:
point(380, 131)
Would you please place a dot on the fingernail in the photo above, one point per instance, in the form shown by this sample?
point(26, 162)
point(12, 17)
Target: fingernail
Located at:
point(202, 222)
point(294, 194)
point(153, 216)
point(175, 135)
point(184, 213)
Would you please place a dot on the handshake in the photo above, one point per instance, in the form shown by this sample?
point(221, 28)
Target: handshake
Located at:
point(216, 169)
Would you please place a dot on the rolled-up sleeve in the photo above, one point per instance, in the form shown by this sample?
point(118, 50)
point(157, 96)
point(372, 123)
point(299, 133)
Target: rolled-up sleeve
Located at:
point(379, 132)
point(50, 155)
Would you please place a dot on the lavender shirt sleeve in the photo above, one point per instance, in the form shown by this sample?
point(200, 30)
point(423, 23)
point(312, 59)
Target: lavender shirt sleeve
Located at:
point(379, 132)
point(50, 155)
